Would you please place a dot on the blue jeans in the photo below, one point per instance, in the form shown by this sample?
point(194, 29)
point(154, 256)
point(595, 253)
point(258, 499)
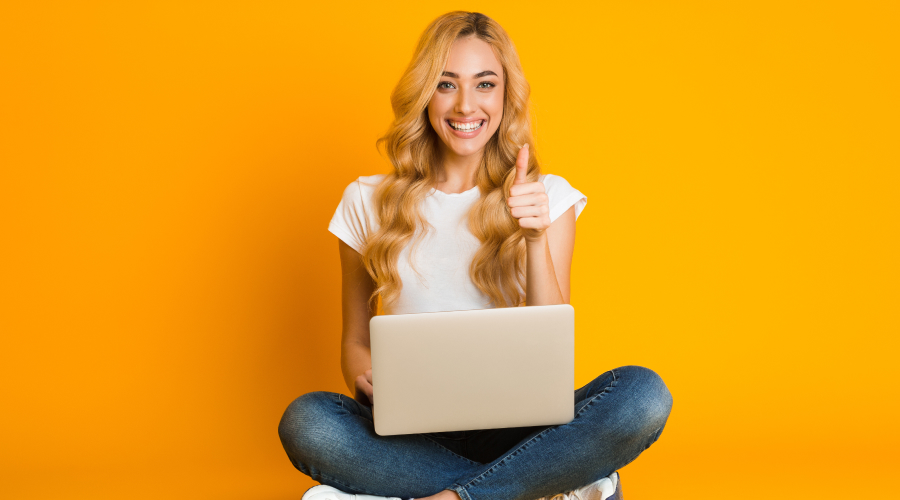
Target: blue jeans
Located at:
point(331, 438)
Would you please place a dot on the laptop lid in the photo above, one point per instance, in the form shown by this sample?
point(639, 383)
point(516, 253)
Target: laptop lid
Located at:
point(475, 369)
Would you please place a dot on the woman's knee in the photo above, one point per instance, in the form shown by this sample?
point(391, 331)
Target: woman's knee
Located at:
point(652, 401)
point(304, 423)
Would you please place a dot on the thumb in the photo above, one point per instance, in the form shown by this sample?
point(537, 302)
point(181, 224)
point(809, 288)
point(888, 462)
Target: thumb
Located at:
point(521, 165)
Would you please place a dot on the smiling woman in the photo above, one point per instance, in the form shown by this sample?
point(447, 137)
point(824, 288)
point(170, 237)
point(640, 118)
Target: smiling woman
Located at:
point(467, 197)
point(472, 75)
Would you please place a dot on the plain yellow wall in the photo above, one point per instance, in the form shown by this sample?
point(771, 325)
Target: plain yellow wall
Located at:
point(168, 284)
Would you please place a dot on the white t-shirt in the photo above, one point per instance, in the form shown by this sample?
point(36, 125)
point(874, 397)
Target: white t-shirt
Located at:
point(444, 254)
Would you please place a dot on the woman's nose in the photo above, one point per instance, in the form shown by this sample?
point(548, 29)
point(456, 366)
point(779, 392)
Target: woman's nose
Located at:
point(465, 102)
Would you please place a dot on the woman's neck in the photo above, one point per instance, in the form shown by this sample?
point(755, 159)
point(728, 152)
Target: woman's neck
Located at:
point(458, 173)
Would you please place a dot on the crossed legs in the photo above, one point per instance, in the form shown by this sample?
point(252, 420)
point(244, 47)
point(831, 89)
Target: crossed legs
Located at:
point(331, 438)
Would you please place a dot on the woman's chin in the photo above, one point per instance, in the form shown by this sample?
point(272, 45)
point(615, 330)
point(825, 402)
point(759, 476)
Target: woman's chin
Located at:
point(466, 151)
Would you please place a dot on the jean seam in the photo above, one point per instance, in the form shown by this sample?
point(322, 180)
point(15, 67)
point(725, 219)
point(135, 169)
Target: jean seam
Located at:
point(348, 411)
point(524, 446)
point(540, 435)
point(612, 384)
point(463, 494)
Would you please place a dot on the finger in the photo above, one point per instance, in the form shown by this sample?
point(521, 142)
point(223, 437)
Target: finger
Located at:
point(364, 391)
point(361, 394)
point(521, 165)
point(539, 223)
point(529, 211)
point(361, 383)
point(533, 194)
point(369, 376)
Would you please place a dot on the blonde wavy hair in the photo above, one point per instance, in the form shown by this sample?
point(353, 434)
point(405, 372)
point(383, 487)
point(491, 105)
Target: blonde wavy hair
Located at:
point(411, 144)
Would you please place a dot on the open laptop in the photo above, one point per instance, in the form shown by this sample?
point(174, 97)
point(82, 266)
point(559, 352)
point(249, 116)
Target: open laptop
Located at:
point(475, 369)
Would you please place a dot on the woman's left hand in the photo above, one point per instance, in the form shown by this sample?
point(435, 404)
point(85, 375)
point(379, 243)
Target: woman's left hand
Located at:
point(528, 201)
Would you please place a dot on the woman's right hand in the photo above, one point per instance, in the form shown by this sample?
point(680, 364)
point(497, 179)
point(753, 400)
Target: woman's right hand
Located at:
point(364, 392)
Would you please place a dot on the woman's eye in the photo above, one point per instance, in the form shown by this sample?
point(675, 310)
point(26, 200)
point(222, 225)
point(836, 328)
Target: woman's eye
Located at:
point(450, 85)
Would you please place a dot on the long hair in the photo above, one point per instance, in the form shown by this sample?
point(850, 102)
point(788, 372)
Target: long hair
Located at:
point(411, 144)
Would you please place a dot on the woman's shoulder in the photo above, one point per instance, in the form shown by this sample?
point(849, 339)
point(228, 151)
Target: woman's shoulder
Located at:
point(371, 180)
point(352, 221)
point(554, 180)
point(362, 187)
point(562, 195)
point(556, 185)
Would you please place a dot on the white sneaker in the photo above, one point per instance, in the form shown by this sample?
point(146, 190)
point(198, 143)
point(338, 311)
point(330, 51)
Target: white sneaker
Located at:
point(600, 490)
point(324, 492)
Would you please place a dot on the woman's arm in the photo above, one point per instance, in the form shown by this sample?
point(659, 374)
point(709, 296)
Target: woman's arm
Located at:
point(549, 246)
point(549, 262)
point(356, 287)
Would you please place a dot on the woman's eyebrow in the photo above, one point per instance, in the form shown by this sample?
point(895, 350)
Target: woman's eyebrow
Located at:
point(479, 75)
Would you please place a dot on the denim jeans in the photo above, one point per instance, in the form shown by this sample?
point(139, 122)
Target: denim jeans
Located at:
point(331, 438)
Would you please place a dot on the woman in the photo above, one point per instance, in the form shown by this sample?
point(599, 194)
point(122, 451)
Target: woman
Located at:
point(467, 201)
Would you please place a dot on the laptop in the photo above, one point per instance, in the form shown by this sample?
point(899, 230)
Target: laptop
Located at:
point(474, 369)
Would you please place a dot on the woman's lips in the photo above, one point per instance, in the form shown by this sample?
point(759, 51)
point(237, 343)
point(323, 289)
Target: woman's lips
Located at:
point(466, 135)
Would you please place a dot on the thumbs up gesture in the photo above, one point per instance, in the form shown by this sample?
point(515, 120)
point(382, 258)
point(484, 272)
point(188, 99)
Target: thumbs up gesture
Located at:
point(528, 201)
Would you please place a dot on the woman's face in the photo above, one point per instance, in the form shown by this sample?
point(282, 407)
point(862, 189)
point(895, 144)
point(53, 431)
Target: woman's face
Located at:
point(469, 96)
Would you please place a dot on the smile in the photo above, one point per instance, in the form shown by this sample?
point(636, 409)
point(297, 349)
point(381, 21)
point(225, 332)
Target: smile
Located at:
point(466, 130)
point(465, 127)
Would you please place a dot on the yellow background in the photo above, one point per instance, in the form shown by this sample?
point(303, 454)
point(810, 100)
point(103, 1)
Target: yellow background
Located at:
point(168, 284)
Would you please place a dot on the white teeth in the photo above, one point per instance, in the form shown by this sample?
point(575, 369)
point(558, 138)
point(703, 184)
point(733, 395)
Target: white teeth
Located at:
point(467, 127)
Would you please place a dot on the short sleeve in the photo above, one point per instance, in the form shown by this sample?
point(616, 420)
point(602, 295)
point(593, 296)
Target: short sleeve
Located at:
point(351, 221)
point(562, 196)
